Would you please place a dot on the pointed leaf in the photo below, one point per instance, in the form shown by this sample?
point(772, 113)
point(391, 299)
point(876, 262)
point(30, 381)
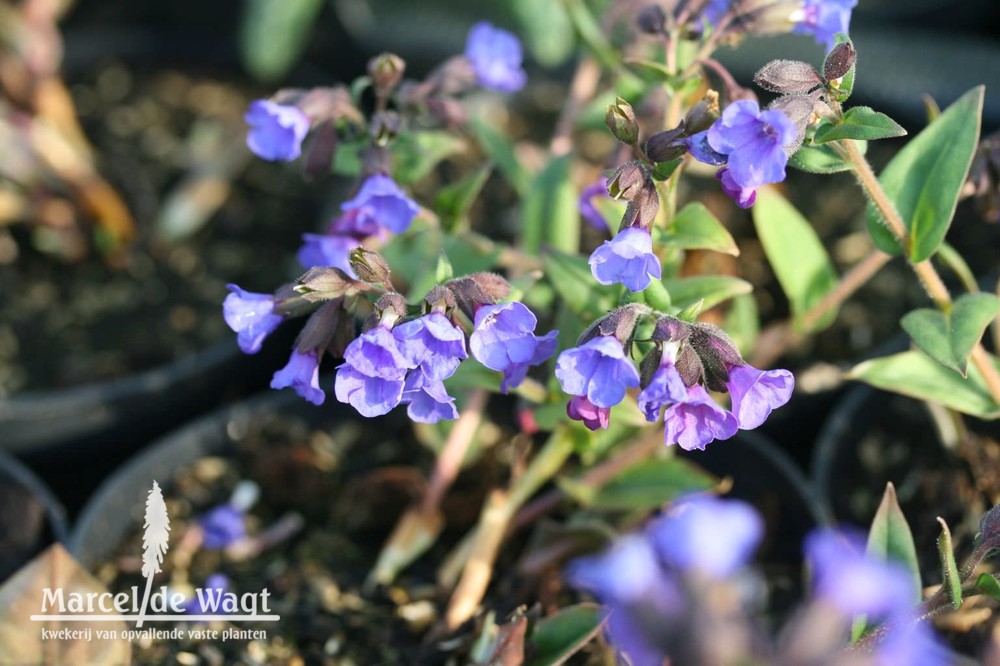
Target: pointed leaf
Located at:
point(860, 123)
point(453, 201)
point(274, 34)
point(925, 178)
point(696, 228)
point(929, 330)
point(713, 289)
point(949, 338)
point(796, 254)
point(890, 538)
point(950, 577)
point(917, 375)
point(820, 159)
point(558, 637)
point(989, 585)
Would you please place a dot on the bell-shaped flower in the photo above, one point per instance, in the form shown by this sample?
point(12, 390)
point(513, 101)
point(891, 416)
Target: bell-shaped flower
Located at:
point(594, 417)
point(222, 526)
point(251, 316)
point(753, 142)
point(627, 259)
point(276, 130)
point(665, 388)
point(372, 375)
point(756, 392)
point(503, 339)
point(496, 57)
point(697, 421)
point(427, 399)
point(433, 344)
point(597, 370)
point(744, 197)
point(381, 204)
point(302, 374)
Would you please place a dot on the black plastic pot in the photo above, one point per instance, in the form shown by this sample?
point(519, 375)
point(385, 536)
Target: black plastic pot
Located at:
point(30, 516)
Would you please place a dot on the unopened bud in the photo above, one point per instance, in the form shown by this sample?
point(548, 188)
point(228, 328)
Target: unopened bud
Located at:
point(717, 352)
point(385, 126)
point(323, 284)
point(701, 116)
point(670, 329)
point(627, 180)
point(620, 324)
point(478, 289)
point(321, 146)
point(377, 159)
point(788, 77)
point(321, 327)
point(667, 145)
point(386, 71)
point(642, 210)
point(652, 20)
point(839, 61)
point(370, 267)
point(390, 308)
point(620, 119)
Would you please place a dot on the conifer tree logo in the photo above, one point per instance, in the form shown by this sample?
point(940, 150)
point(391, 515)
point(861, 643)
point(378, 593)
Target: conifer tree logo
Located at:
point(155, 541)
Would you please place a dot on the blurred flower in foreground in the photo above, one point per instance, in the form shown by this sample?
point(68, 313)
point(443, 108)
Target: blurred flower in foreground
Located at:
point(823, 19)
point(496, 57)
point(276, 130)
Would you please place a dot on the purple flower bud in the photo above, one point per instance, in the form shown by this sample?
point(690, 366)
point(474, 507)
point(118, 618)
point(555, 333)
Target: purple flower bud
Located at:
point(371, 377)
point(504, 339)
point(276, 131)
point(823, 19)
point(496, 57)
point(697, 421)
point(427, 398)
point(594, 417)
point(251, 316)
point(627, 259)
point(756, 392)
point(666, 387)
point(380, 203)
point(708, 534)
point(855, 582)
point(753, 141)
point(222, 526)
point(327, 251)
point(598, 370)
point(743, 196)
point(589, 212)
point(433, 344)
point(301, 374)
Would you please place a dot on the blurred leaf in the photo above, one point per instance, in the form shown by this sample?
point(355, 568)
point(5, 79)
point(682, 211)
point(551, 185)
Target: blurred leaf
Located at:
point(551, 214)
point(917, 375)
point(820, 159)
point(890, 539)
point(860, 123)
point(656, 296)
point(696, 228)
point(570, 276)
point(454, 200)
point(796, 254)
point(561, 635)
point(501, 151)
point(743, 323)
point(651, 484)
point(989, 585)
point(415, 154)
point(714, 289)
point(925, 178)
point(546, 30)
point(949, 568)
point(950, 338)
point(273, 34)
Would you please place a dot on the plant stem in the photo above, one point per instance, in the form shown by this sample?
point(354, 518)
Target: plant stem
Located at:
point(854, 279)
point(925, 271)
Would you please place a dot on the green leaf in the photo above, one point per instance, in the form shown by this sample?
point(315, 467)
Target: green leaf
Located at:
point(551, 215)
point(949, 338)
point(454, 201)
point(651, 484)
point(989, 585)
point(546, 30)
point(860, 123)
point(714, 289)
point(949, 568)
point(415, 154)
point(561, 635)
point(890, 538)
point(796, 254)
point(820, 159)
point(917, 375)
point(696, 228)
point(274, 34)
point(843, 91)
point(925, 178)
point(743, 323)
point(499, 149)
point(657, 296)
point(570, 276)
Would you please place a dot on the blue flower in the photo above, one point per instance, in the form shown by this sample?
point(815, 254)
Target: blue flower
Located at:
point(708, 534)
point(251, 316)
point(697, 421)
point(715, 9)
point(594, 417)
point(276, 130)
point(743, 196)
point(433, 344)
point(701, 149)
point(496, 57)
point(823, 19)
point(222, 526)
point(665, 388)
point(756, 392)
point(504, 339)
point(380, 203)
point(913, 644)
point(301, 374)
point(598, 370)
point(589, 212)
point(372, 375)
point(627, 259)
point(427, 398)
point(325, 250)
point(753, 142)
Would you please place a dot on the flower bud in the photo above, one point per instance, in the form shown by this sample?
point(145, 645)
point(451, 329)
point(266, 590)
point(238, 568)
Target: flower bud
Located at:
point(641, 211)
point(385, 126)
point(476, 290)
point(627, 181)
point(321, 327)
point(652, 20)
point(370, 267)
point(667, 145)
point(701, 116)
point(717, 353)
point(839, 61)
point(323, 283)
point(620, 119)
point(788, 77)
point(321, 146)
point(670, 329)
point(799, 109)
point(620, 323)
point(386, 71)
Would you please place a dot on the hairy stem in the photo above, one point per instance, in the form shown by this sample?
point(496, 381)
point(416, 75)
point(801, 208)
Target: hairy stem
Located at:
point(851, 281)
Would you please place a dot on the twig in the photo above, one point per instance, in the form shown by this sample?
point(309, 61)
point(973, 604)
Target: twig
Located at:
point(852, 280)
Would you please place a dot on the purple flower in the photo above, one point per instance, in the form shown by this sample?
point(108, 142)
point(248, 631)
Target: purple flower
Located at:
point(666, 387)
point(597, 189)
point(380, 203)
point(855, 582)
point(743, 196)
point(371, 377)
point(251, 316)
point(504, 339)
point(753, 141)
point(756, 392)
point(496, 56)
point(598, 370)
point(215, 586)
point(594, 417)
point(323, 250)
point(708, 534)
point(276, 130)
point(427, 398)
point(433, 344)
point(823, 19)
point(697, 421)
point(627, 258)
point(302, 374)
point(222, 526)
point(715, 9)
point(701, 149)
